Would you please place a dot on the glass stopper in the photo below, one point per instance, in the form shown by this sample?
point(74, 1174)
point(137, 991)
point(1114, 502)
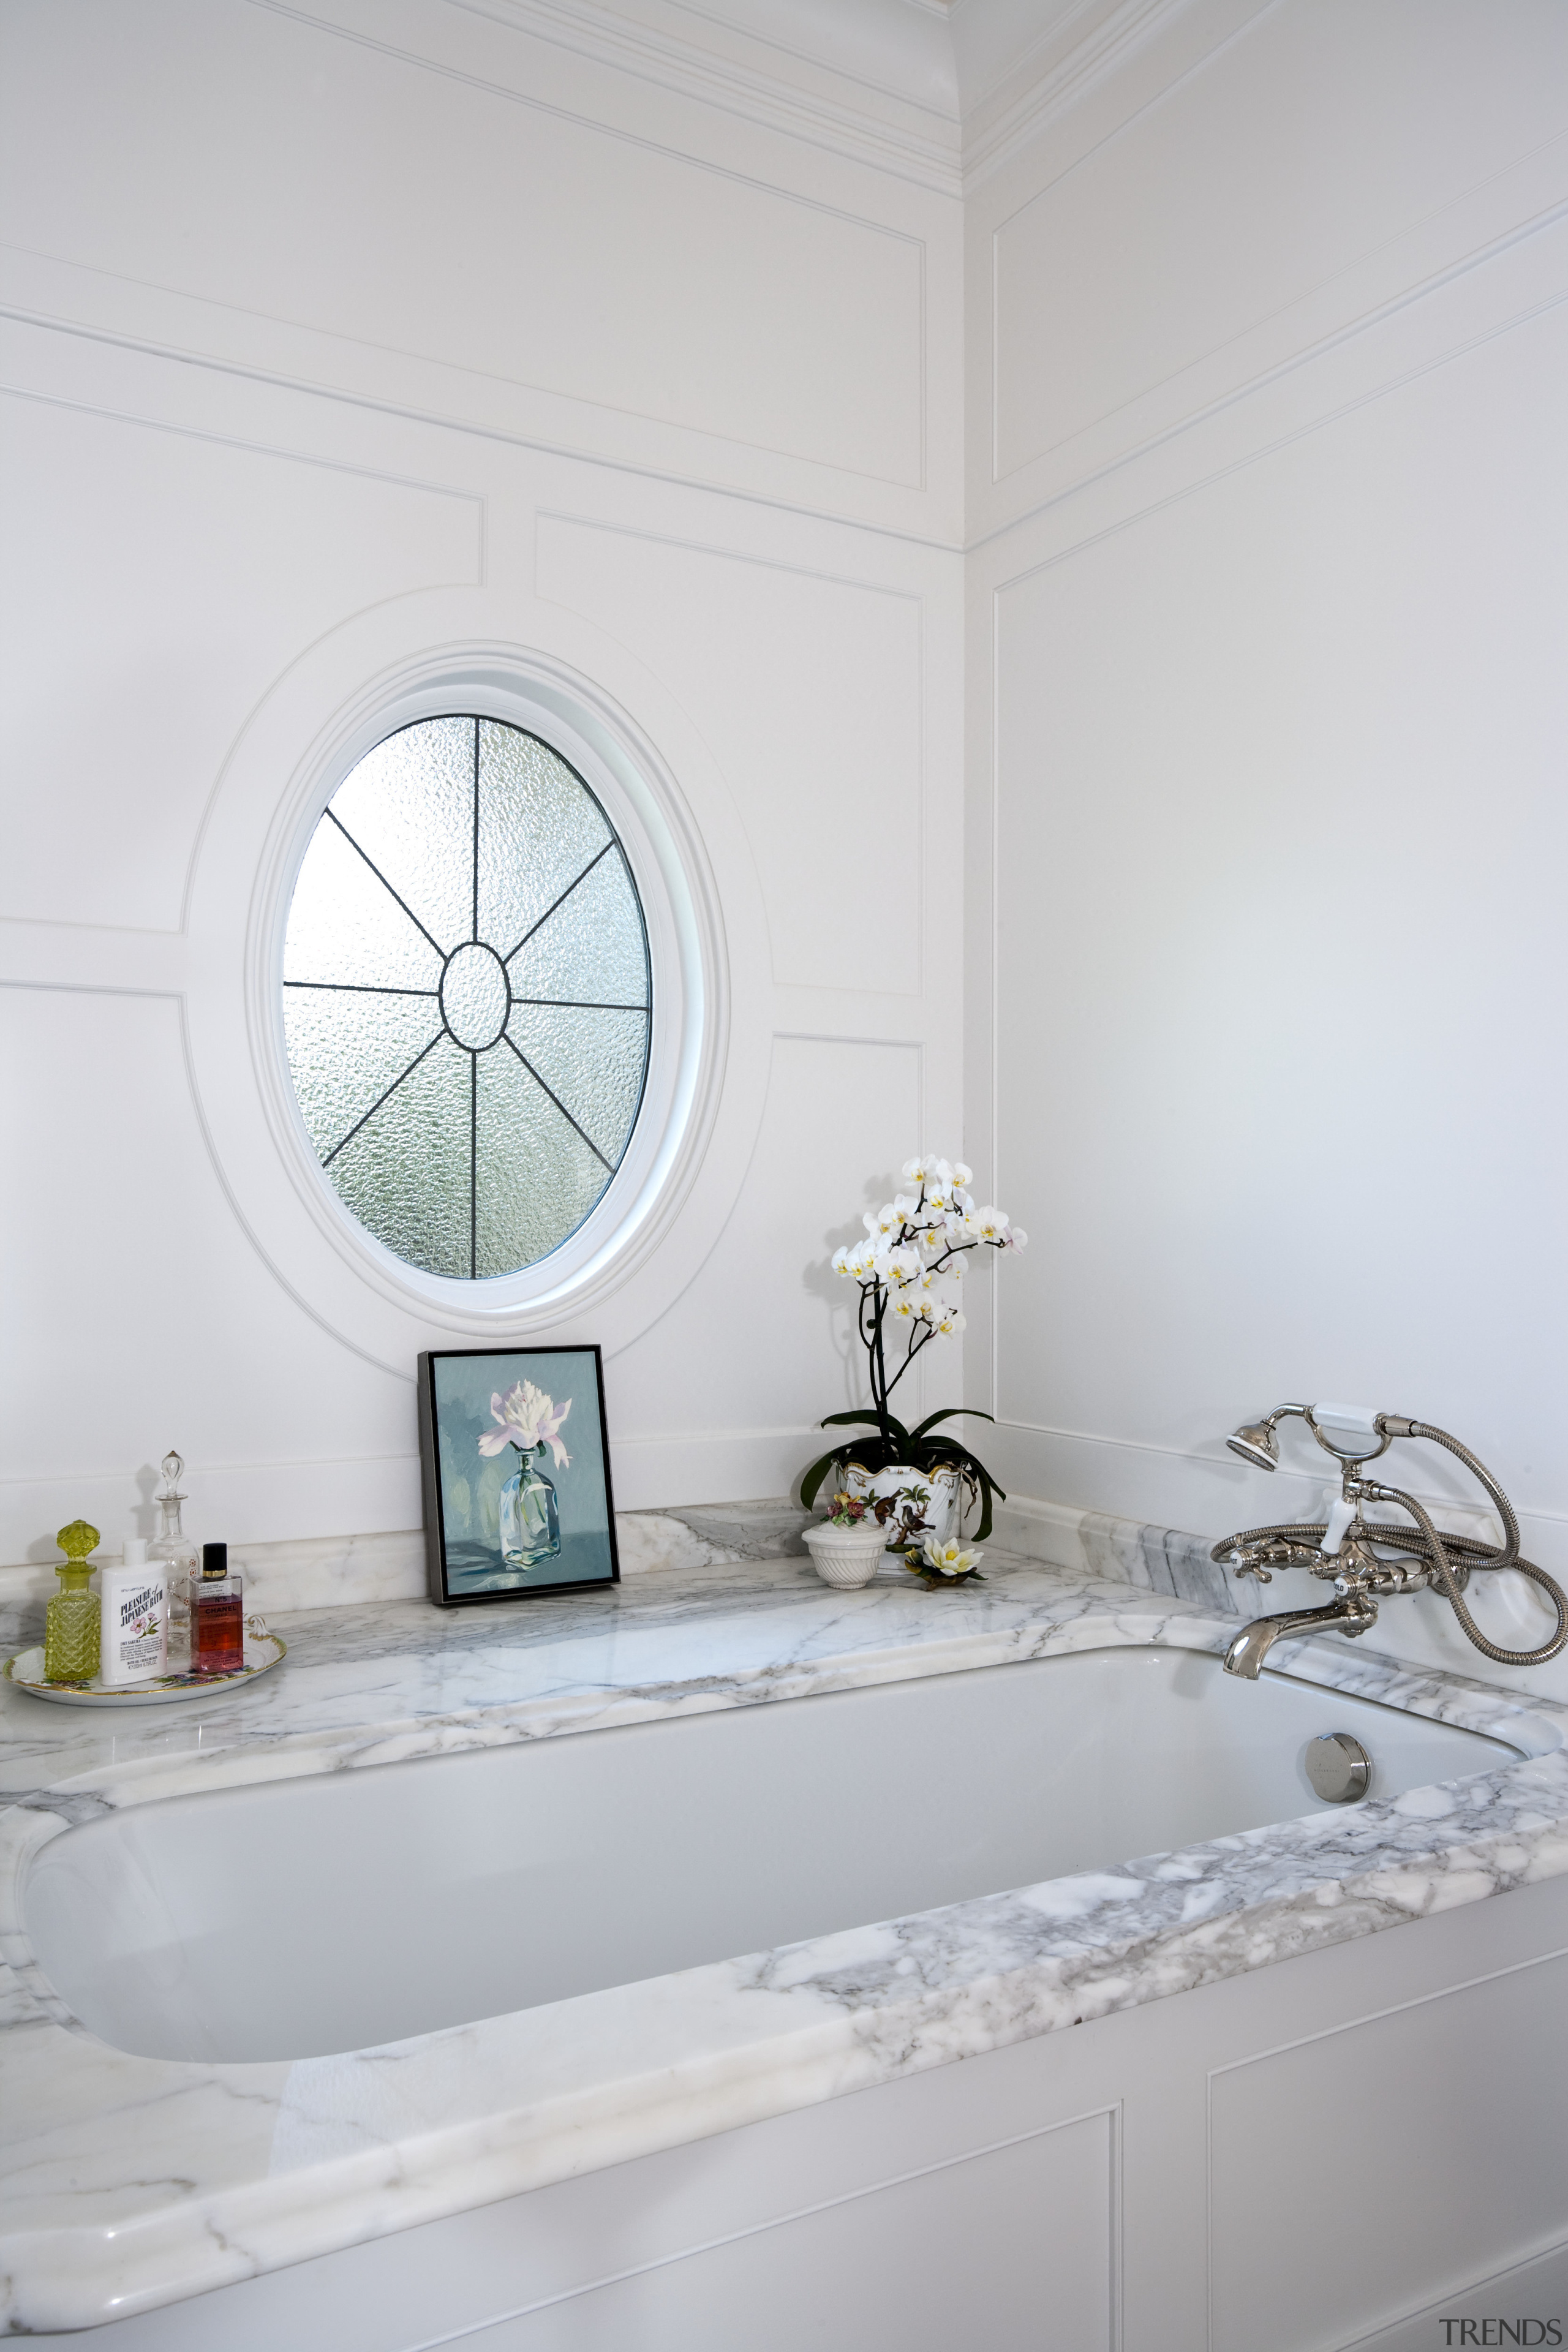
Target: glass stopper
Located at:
point(76, 1540)
point(171, 1467)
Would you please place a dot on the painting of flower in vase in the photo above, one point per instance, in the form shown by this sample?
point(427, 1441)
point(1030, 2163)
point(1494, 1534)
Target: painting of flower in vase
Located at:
point(516, 1471)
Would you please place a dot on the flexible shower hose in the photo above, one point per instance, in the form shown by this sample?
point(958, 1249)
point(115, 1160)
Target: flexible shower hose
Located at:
point(1442, 1551)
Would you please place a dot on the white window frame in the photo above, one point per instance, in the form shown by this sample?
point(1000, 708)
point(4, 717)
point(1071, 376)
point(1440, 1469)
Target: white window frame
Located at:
point(642, 805)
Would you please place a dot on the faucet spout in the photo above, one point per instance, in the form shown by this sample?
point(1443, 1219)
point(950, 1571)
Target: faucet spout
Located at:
point(1352, 1614)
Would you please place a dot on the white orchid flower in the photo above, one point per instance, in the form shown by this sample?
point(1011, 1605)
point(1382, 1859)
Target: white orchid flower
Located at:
point(949, 1322)
point(915, 1171)
point(948, 1559)
point(906, 1209)
point(961, 1176)
point(991, 1225)
point(881, 1222)
point(527, 1419)
point(1017, 1238)
point(905, 1307)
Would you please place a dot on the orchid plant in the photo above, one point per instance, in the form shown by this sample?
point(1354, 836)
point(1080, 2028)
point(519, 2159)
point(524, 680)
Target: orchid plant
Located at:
point(908, 1270)
point(528, 1419)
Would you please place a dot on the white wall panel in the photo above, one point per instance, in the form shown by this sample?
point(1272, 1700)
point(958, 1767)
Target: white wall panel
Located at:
point(1476, 2069)
point(1266, 714)
point(1320, 135)
point(1280, 765)
point(810, 691)
point(154, 584)
point(354, 190)
point(1264, 184)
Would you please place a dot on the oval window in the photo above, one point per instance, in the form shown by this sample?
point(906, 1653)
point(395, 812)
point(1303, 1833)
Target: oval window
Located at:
point(467, 996)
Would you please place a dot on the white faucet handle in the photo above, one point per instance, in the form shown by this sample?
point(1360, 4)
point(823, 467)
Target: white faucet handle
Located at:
point(1355, 1420)
point(1340, 1517)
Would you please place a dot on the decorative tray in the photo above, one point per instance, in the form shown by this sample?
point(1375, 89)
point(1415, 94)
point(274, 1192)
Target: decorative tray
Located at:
point(262, 1652)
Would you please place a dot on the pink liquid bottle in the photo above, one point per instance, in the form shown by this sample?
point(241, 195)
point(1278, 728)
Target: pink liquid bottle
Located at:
point(217, 1620)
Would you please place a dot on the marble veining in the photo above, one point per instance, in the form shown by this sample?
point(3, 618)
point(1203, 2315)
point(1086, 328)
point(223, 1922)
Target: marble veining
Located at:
point(129, 2182)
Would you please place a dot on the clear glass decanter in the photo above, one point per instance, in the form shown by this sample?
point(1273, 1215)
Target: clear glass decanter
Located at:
point(529, 1516)
point(173, 1549)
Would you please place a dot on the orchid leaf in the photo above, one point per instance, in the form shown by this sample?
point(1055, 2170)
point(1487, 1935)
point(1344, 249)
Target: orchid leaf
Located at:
point(949, 1413)
point(839, 1420)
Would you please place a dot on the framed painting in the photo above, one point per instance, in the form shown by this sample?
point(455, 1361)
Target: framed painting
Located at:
point(517, 1473)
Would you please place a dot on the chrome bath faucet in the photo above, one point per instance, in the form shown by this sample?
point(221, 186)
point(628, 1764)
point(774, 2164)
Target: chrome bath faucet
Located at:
point(1367, 1560)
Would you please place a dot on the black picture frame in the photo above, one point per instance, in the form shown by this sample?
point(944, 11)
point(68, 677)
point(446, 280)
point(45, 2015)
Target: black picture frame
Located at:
point(481, 1547)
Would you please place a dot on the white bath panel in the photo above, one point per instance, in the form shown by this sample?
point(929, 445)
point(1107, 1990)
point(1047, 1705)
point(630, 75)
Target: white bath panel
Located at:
point(1446, 2119)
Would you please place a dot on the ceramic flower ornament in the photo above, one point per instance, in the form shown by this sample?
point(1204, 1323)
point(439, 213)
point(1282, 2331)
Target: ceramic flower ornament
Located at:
point(527, 1419)
point(946, 1559)
point(914, 1248)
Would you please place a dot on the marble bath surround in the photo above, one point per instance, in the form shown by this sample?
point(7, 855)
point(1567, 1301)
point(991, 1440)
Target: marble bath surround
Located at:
point(126, 2182)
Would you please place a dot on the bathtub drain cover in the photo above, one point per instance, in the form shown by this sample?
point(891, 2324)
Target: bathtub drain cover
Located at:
point(1338, 1767)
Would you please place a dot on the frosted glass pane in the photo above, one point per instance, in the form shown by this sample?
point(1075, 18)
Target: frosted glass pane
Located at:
point(538, 829)
point(409, 805)
point(593, 1061)
point(405, 1174)
point(345, 925)
point(591, 949)
point(345, 1049)
point(538, 1179)
point(400, 1004)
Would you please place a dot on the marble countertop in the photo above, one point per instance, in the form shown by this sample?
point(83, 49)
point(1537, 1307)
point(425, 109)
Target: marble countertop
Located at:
point(127, 2182)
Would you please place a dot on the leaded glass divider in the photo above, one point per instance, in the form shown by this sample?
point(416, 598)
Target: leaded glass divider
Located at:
point(467, 996)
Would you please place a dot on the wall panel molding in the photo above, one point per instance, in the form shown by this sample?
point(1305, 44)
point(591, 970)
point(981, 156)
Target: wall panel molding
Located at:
point(1484, 295)
point(105, 959)
point(787, 841)
point(394, 476)
point(1445, 2072)
point(70, 299)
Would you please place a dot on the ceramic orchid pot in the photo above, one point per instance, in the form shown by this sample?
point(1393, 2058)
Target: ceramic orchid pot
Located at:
point(925, 1502)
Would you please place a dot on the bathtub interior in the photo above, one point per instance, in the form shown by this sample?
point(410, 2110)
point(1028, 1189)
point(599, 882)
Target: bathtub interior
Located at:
point(292, 1918)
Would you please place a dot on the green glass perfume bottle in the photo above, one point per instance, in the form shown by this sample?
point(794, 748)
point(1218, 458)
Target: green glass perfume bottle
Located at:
point(71, 1619)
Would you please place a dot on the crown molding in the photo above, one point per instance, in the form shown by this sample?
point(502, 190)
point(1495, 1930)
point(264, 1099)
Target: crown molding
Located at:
point(874, 100)
point(696, 54)
point(1054, 76)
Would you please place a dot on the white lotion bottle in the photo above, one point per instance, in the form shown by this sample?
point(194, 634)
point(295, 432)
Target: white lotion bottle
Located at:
point(133, 1644)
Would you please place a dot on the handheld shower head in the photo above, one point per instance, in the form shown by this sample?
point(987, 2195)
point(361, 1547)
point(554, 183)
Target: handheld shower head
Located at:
point(1255, 1443)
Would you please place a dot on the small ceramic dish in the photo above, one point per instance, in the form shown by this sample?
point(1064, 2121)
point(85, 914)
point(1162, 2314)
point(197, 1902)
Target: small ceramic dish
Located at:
point(263, 1651)
point(847, 1556)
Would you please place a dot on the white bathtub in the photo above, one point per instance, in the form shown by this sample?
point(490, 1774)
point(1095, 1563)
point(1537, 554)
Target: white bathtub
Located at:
point(299, 1917)
point(593, 1980)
